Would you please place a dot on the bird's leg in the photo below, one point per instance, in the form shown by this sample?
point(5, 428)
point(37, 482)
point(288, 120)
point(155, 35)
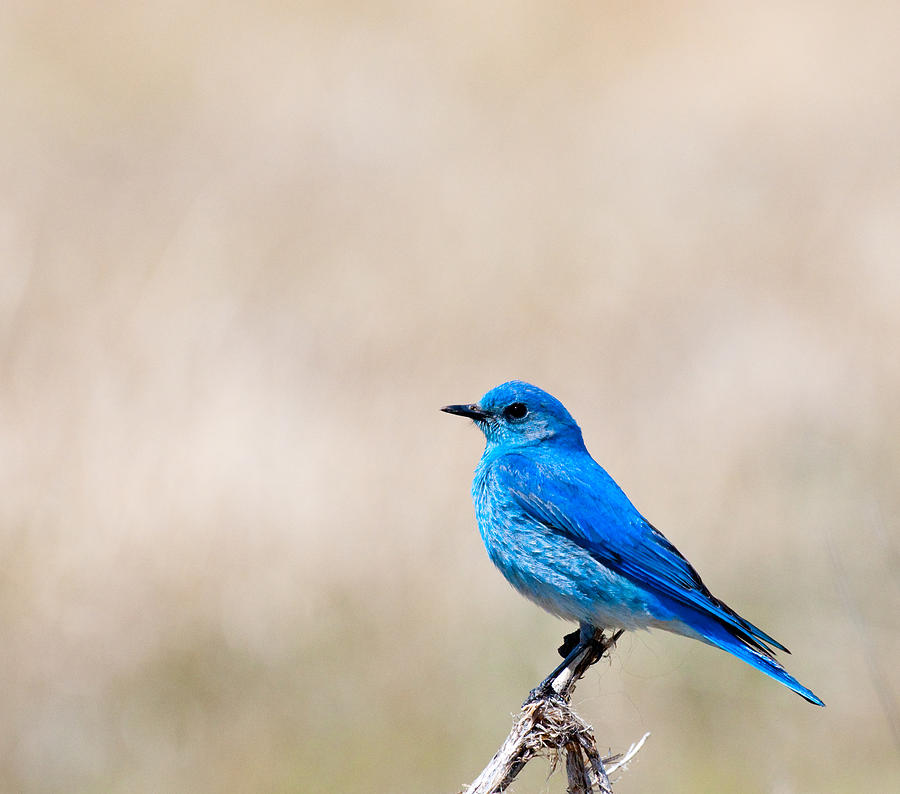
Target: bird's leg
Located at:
point(586, 638)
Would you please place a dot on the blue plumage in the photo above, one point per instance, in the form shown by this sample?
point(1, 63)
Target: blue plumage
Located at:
point(566, 536)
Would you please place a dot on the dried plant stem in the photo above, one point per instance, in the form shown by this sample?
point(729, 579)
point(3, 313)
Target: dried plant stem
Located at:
point(548, 726)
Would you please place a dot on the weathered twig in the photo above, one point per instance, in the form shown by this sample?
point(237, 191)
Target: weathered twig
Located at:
point(548, 726)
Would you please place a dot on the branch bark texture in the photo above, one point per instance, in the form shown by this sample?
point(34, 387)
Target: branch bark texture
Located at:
point(548, 726)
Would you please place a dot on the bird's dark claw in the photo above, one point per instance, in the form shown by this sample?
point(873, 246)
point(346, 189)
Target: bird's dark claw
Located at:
point(543, 691)
point(569, 643)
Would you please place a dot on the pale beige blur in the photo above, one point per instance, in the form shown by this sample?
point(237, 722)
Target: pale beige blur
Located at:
point(248, 252)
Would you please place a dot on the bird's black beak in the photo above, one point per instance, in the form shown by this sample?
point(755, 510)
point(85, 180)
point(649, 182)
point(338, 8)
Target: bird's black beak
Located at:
point(472, 411)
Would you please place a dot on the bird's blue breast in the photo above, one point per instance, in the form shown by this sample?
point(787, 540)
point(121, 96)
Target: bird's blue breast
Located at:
point(542, 563)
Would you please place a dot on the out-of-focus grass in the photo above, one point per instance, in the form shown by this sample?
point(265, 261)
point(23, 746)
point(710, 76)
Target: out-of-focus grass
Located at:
point(248, 252)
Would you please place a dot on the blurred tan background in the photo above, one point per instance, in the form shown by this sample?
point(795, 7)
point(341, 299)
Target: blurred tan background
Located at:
point(248, 250)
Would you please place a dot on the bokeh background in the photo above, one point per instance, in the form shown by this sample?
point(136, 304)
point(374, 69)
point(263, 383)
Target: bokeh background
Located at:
point(247, 251)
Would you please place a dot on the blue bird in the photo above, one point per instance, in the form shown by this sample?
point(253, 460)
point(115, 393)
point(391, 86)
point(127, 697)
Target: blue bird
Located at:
point(567, 537)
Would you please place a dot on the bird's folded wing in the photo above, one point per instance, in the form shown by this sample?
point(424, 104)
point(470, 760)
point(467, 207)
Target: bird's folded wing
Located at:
point(583, 503)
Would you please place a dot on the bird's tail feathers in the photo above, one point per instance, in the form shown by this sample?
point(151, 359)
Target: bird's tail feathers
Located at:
point(721, 636)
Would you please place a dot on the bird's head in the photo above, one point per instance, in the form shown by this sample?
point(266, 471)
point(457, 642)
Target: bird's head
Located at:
point(517, 414)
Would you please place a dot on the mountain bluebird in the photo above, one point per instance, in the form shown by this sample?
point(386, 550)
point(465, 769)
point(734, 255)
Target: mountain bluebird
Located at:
point(566, 536)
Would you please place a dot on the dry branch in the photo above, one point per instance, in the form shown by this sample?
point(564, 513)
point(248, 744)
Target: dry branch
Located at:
point(548, 726)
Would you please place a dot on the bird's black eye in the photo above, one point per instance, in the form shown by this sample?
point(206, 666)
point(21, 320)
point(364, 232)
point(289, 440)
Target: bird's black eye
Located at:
point(515, 411)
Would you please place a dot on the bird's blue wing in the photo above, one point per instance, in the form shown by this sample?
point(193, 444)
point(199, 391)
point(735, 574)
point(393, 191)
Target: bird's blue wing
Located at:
point(579, 500)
